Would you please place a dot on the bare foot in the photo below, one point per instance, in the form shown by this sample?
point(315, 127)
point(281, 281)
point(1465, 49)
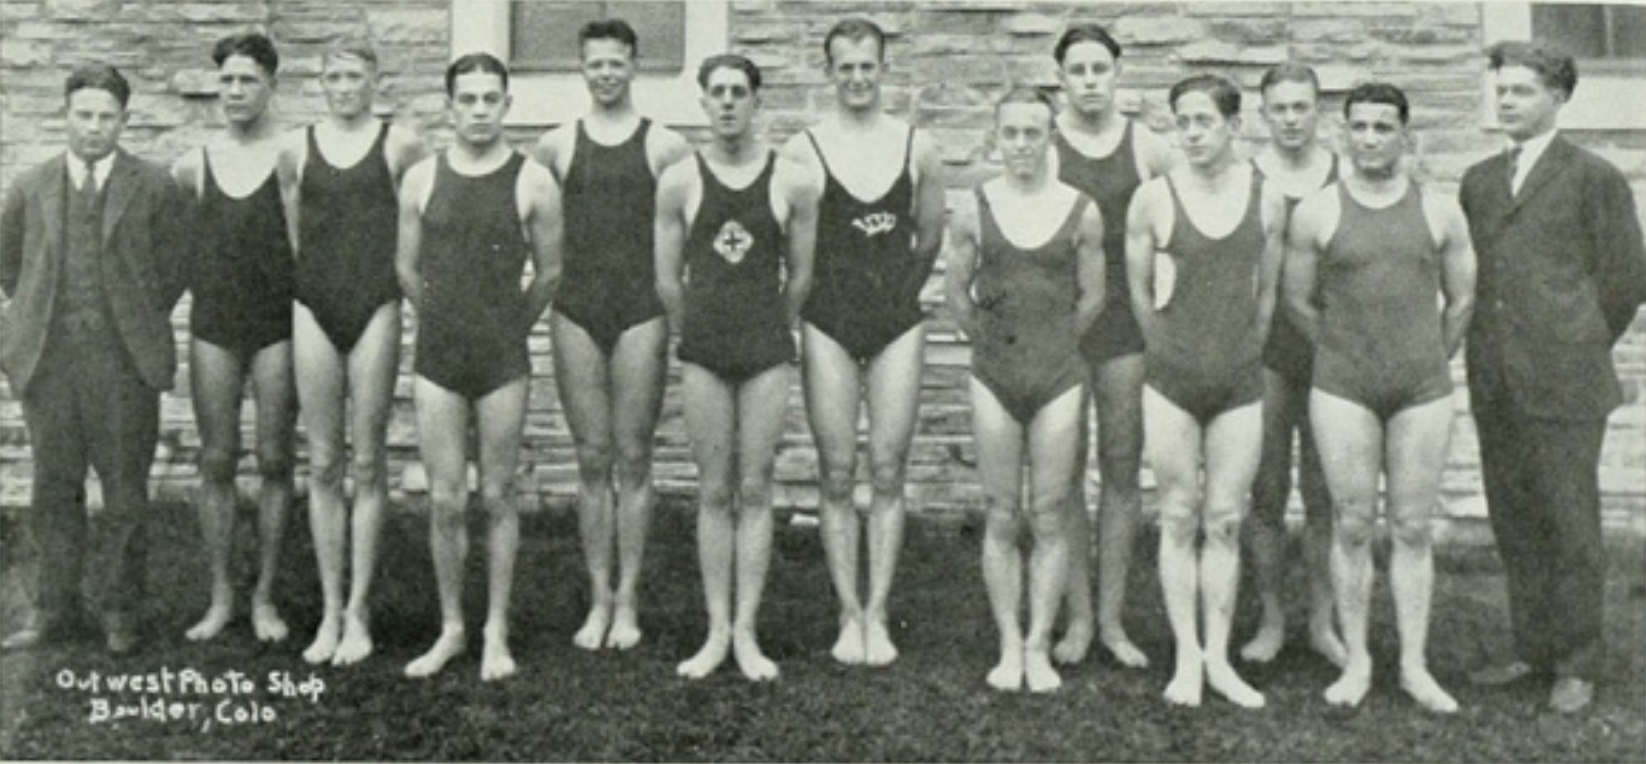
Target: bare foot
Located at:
point(1223, 679)
point(848, 647)
point(1074, 644)
point(211, 625)
point(1120, 646)
point(594, 628)
point(448, 646)
point(1271, 636)
point(1008, 674)
point(625, 631)
point(356, 644)
point(879, 650)
point(1351, 687)
point(708, 658)
point(1038, 671)
point(1324, 640)
point(495, 661)
point(325, 641)
point(266, 622)
point(1187, 682)
point(1423, 688)
point(750, 660)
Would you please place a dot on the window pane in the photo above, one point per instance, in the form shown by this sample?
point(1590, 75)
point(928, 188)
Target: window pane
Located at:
point(543, 35)
point(1629, 31)
point(1577, 29)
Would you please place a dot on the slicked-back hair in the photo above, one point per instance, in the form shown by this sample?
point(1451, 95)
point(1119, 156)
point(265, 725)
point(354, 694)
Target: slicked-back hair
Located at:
point(470, 63)
point(1290, 72)
point(1556, 68)
point(609, 29)
point(253, 45)
point(854, 29)
point(729, 61)
point(1080, 33)
point(1379, 93)
point(1026, 94)
point(1225, 96)
point(358, 48)
point(98, 77)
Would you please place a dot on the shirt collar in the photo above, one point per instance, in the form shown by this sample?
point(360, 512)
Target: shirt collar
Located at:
point(100, 170)
point(1532, 148)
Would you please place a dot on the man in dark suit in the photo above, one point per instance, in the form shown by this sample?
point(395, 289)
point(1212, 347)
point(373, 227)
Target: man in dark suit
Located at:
point(1562, 270)
point(90, 254)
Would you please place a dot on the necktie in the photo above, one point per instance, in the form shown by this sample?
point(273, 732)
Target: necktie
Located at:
point(1514, 170)
point(88, 187)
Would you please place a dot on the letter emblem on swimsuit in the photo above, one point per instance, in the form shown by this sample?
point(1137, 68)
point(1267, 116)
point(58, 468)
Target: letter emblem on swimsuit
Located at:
point(733, 241)
point(876, 223)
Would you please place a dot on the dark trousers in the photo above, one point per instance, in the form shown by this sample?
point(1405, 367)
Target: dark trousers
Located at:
point(88, 407)
point(1543, 496)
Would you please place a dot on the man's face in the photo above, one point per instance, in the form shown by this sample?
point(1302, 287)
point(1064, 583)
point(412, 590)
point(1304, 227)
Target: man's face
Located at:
point(478, 105)
point(349, 83)
point(855, 69)
point(1204, 134)
point(1023, 132)
point(1088, 75)
point(244, 88)
point(1377, 139)
point(608, 68)
point(1291, 110)
point(730, 102)
point(1526, 108)
point(94, 120)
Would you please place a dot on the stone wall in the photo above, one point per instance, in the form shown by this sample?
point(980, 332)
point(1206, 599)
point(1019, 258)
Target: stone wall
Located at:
point(949, 61)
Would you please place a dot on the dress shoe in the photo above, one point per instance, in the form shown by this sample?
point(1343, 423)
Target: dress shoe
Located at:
point(1571, 695)
point(1502, 674)
point(22, 639)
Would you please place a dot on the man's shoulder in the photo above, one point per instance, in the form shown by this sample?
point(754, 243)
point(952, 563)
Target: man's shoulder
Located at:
point(1583, 159)
point(39, 173)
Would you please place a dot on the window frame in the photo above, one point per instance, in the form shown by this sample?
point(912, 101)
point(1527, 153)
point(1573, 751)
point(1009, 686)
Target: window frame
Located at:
point(1609, 94)
point(543, 98)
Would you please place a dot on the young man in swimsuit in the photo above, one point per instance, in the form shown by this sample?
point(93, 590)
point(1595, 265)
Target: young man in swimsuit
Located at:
point(862, 325)
point(338, 179)
point(1366, 257)
point(1105, 156)
point(735, 229)
point(1295, 162)
point(1025, 310)
point(469, 217)
point(1202, 399)
point(610, 334)
point(240, 323)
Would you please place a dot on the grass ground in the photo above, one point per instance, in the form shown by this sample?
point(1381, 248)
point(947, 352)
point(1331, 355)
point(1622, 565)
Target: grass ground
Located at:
point(931, 705)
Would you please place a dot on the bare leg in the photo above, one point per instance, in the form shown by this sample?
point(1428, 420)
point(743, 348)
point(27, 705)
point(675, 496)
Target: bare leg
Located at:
point(581, 373)
point(372, 366)
point(1054, 438)
point(502, 417)
point(894, 411)
point(711, 421)
point(1119, 396)
point(1000, 466)
point(1351, 449)
point(322, 386)
point(216, 380)
point(833, 397)
point(1415, 452)
point(1317, 548)
point(442, 434)
point(760, 405)
point(1283, 404)
point(276, 397)
point(1173, 440)
point(1232, 453)
point(638, 374)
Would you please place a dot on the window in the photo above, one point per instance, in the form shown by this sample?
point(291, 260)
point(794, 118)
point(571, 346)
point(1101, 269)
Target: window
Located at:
point(1609, 41)
point(539, 40)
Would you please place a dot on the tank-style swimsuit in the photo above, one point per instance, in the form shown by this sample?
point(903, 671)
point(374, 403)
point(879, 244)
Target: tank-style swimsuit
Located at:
point(1110, 181)
point(472, 325)
point(349, 220)
point(1287, 351)
point(1382, 344)
point(1027, 349)
point(1205, 357)
point(867, 277)
point(242, 278)
point(609, 200)
point(734, 323)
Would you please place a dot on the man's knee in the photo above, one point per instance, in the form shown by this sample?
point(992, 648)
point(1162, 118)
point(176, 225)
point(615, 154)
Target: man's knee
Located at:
point(594, 460)
point(274, 462)
point(217, 464)
point(1356, 523)
point(714, 498)
point(1411, 527)
point(1221, 522)
point(1047, 516)
point(634, 461)
point(326, 466)
point(1000, 518)
point(754, 494)
point(837, 479)
point(370, 467)
point(447, 506)
point(887, 476)
point(1178, 523)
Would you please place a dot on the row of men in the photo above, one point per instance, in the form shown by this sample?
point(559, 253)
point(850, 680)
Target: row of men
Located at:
point(305, 241)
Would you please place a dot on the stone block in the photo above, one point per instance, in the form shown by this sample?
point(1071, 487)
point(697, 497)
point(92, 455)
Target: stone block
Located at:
point(1157, 30)
point(422, 26)
point(195, 83)
point(26, 53)
point(1250, 31)
point(1221, 52)
point(1030, 24)
point(79, 10)
point(1225, 10)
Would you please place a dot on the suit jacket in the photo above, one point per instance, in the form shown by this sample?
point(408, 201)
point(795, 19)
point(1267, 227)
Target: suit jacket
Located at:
point(144, 254)
point(1562, 269)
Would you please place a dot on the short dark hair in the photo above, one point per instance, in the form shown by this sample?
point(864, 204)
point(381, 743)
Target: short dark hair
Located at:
point(1379, 93)
point(1556, 68)
point(484, 63)
point(1026, 94)
point(253, 45)
point(729, 61)
point(1290, 72)
point(98, 77)
point(854, 29)
point(1079, 33)
point(1223, 93)
point(609, 29)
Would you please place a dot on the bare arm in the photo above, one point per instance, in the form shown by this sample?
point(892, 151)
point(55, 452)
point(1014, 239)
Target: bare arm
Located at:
point(1457, 268)
point(1156, 156)
point(405, 149)
point(664, 148)
point(288, 171)
point(961, 269)
point(1141, 244)
point(173, 242)
point(1274, 254)
point(1302, 258)
point(929, 210)
point(1090, 273)
point(802, 195)
point(546, 151)
point(409, 240)
point(669, 239)
point(543, 231)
